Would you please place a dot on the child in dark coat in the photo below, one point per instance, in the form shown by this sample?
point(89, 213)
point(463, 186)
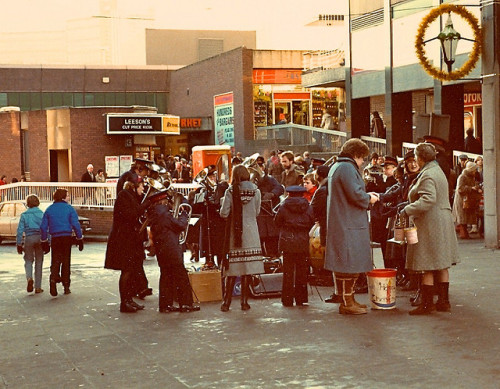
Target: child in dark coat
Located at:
point(294, 219)
point(173, 276)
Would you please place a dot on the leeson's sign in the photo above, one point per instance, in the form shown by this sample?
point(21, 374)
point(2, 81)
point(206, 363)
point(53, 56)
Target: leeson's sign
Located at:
point(138, 124)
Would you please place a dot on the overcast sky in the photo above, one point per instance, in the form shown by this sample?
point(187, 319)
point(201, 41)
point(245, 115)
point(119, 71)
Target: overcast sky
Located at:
point(274, 20)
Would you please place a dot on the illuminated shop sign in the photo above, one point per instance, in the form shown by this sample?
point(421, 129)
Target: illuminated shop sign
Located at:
point(190, 122)
point(277, 76)
point(139, 124)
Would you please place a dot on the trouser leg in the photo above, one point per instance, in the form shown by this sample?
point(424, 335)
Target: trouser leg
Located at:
point(181, 279)
point(287, 288)
point(38, 265)
point(301, 272)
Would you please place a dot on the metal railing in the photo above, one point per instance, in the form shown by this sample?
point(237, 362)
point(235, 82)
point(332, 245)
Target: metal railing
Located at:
point(80, 194)
point(456, 153)
point(296, 134)
point(377, 145)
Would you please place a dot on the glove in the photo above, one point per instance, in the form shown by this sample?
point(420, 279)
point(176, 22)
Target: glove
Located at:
point(79, 242)
point(19, 249)
point(45, 247)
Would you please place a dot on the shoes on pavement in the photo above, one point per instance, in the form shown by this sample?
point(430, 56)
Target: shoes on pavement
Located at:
point(169, 309)
point(53, 288)
point(189, 308)
point(126, 307)
point(67, 290)
point(145, 292)
point(135, 305)
point(38, 290)
point(29, 288)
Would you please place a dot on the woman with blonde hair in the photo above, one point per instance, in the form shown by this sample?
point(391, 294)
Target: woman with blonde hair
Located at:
point(241, 205)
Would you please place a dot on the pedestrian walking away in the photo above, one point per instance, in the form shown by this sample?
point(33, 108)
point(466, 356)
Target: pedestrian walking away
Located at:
point(59, 221)
point(29, 227)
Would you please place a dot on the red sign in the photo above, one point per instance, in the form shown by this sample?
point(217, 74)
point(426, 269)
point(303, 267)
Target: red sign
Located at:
point(226, 98)
point(190, 122)
point(472, 99)
point(292, 96)
point(277, 76)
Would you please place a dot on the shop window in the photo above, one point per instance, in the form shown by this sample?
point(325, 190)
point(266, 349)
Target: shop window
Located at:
point(57, 100)
point(3, 99)
point(140, 98)
point(46, 100)
point(13, 99)
point(109, 99)
point(89, 99)
point(120, 99)
point(150, 99)
point(161, 102)
point(67, 99)
point(36, 101)
point(24, 101)
point(99, 99)
point(78, 99)
point(130, 99)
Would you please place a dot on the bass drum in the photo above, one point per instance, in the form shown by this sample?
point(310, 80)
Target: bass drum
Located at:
point(316, 250)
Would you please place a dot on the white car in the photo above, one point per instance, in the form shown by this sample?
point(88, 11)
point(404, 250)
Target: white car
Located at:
point(10, 213)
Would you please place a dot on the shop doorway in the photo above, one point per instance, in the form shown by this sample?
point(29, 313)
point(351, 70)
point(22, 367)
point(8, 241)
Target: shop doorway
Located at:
point(282, 112)
point(59, 166)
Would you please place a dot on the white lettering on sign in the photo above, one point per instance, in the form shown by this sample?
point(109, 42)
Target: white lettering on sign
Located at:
point(472, 99)
point(137, 121)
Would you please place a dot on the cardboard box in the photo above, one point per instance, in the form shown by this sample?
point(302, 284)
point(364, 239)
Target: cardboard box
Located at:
point(206, 285)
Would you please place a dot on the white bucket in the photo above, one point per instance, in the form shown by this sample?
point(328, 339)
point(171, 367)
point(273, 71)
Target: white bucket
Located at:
point(382, 288)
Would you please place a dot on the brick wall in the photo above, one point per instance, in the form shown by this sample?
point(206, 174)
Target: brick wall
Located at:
point(418, 101)
point(195, 86)
point(100, 220)
point(10, 155)
point(38, 154)
point(89, 141)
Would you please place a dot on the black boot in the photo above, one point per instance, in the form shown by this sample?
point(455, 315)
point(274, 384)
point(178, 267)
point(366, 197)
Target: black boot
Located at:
point(245, 291)
point(127, 307)
point(443, 302)
point(228, 293)
point(427, 305)
point(416, 299)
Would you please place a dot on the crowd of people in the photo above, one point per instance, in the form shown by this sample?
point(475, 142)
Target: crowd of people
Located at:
point(268, 209)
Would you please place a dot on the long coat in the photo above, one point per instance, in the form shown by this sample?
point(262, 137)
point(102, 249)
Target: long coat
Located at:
point(465, 183)
point(348, 233)
point(246, 259)
point(125, 250)
point(429, 207)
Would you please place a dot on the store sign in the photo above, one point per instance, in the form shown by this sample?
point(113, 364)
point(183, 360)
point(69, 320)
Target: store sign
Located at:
point(277, 76)
point(190, 122)
point(140, 124)
point(472, 99)
point(224, 119)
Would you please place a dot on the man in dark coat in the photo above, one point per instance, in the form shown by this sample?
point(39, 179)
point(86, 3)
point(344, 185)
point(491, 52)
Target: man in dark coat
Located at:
point(472, 144)
point(139, 167)
point(89, 175)
point(125, 250)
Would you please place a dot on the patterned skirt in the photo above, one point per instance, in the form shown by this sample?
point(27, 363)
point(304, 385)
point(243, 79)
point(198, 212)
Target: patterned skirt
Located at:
point(245, 261)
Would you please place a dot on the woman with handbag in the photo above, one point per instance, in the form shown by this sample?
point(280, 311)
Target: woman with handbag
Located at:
point(466, 201)
point(437, 247)
point(241, 204)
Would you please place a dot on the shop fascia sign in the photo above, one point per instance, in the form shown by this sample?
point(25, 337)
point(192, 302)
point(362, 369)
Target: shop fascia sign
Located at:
point(141, 124)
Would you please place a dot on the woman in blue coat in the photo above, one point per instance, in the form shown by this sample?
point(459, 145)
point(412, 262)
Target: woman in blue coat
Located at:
point(348, 233)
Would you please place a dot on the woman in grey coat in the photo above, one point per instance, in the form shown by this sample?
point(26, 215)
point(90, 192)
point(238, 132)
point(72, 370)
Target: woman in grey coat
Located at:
point(348, 234)
point(241, 204)
point(437, 246)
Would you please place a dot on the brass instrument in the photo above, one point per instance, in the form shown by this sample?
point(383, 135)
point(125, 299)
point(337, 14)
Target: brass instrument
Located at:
point(256, 173)
point(178, 206)
point(175, 201)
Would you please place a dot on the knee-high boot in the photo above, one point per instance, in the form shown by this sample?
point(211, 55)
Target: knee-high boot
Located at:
point(345, 285)
point(245, 291)
point(427, 306)
point(228, 293)
point(443, 302)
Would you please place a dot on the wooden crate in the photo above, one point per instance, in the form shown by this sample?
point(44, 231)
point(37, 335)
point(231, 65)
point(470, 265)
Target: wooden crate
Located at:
point(206, 285)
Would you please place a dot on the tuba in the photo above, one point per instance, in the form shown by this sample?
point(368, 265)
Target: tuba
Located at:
point(178, 206)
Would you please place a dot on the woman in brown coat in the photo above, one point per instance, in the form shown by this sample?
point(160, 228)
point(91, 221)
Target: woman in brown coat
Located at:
point(437, 246)
point(466, 201)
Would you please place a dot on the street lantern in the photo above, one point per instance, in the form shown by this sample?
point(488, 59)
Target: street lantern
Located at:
point(449, 38)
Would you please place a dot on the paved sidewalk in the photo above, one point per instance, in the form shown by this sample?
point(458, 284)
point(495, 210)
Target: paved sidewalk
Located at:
point(82, 341)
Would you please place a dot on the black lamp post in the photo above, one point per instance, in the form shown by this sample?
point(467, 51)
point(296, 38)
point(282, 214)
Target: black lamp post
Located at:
point(449, 38)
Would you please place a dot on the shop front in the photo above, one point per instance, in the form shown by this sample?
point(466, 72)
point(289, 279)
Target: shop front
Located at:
point(279, 98)
point(473, 114)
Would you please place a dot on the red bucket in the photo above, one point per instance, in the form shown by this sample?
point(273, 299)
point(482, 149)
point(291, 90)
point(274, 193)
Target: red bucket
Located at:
point(382, 288)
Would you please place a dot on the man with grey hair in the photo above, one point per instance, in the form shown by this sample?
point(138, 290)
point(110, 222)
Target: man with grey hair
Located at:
point(89, 175)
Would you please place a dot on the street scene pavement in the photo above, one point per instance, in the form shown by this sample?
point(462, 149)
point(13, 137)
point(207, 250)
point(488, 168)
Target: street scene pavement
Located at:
point(81, 340)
